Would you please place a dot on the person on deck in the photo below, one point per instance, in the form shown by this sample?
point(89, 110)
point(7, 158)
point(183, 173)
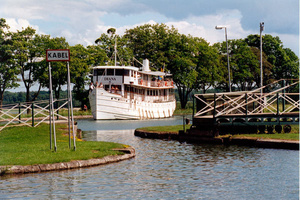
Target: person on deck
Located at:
point(92, 86)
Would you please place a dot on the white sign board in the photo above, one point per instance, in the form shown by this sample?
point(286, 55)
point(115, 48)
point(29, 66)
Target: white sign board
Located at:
point(113, 80)
point(57, 55)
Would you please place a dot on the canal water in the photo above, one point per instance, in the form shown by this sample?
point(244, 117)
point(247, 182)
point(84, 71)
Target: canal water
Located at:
point(165, 170)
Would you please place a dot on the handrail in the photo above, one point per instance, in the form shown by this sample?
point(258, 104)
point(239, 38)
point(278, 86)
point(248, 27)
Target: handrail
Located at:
point(238, 103)
point(9, 116)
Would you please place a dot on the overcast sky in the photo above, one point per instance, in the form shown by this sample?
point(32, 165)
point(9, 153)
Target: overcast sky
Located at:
point(83, 21)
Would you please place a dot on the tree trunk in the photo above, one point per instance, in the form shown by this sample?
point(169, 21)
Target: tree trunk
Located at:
point(28, 98)
point(37, 93)
point(183, 93)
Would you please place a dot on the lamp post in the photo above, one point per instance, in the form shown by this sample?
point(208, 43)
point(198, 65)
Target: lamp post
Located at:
point(219, 28)
point(262, 24)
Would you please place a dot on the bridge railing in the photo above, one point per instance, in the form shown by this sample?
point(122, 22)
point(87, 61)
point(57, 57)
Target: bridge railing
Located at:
point(249, 102)
point(29, 113)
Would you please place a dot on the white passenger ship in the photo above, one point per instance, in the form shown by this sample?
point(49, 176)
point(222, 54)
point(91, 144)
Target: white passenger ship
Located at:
point(125, 92)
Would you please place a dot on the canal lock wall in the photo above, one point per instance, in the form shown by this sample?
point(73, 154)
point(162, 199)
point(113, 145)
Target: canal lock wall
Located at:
point(207, 137)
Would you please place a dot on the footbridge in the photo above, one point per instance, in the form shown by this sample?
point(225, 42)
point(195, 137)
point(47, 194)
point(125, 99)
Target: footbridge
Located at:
point(248, 111)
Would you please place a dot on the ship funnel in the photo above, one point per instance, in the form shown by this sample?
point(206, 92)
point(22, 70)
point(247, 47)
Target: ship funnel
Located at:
point(146, 67)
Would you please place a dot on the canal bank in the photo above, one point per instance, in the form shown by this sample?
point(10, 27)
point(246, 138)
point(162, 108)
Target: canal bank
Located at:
point(25, 150)
point(129, 153)
point(224, 140)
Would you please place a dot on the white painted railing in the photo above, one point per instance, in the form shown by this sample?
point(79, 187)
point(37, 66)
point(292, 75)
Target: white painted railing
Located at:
point(38, 112)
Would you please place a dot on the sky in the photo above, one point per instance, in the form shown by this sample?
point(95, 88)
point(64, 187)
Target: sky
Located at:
point(83, 21)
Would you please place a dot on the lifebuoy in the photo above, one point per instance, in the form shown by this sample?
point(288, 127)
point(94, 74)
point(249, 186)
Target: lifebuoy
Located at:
point(172, 83)
point(141, 82)
point(166, 83)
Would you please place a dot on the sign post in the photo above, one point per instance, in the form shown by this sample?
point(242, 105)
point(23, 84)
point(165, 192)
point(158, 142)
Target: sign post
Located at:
point(51, 112)
point(60, 55)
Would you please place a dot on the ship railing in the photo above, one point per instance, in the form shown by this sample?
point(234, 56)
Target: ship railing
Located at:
point(157, 83)
point(159, 99)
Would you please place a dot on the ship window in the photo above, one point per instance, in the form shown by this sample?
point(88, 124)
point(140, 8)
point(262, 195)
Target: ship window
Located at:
point(110, 72)
point(119, 72)
point(99, 72)
point(126, 72)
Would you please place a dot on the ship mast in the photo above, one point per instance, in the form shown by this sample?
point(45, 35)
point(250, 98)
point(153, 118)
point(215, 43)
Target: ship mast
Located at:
point(115, 51)
point(112, 32)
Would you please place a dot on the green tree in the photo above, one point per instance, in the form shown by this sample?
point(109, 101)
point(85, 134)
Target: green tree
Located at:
point(40, 70)
point(166, 49)
point(285, 62)
point(79, 67)
point(8, 69)
point(267, 69)
point(291, 65)
point(193, 63)
point(154, 42)
point(96, 55)
point(244, 65)
point(183, 66)
point(185, 80)
point(209, 69)
point(27, 54)
point(59, 69)
point(108, 43)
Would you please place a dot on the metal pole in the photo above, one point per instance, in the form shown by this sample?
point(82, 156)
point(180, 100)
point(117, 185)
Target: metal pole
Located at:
point(69, 123)
point(115, 51)
point(246, 100)
point(193, 109)
point(183, 122)
point(52, 107)
point(73, 128)
point(71, 106)
point(32, 115)
point(261, 69)
point(215, 104)
point(277, 105)
point(229, 79)
point(19, 112)
point(283, 97)
point(50, 111)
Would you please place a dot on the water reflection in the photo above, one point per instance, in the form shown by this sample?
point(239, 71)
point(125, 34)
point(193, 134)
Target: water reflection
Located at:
point(166, 170)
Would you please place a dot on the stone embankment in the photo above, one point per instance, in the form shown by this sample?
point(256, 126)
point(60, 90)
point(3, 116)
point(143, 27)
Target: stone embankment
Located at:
point(228, 140)
point(18, 169)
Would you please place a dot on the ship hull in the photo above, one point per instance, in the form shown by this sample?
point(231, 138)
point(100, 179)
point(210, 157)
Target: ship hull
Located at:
point(105, 105)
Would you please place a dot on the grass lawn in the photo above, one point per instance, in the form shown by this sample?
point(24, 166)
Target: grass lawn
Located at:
point(28, 146)
point(281, 136)
point(170, 129)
